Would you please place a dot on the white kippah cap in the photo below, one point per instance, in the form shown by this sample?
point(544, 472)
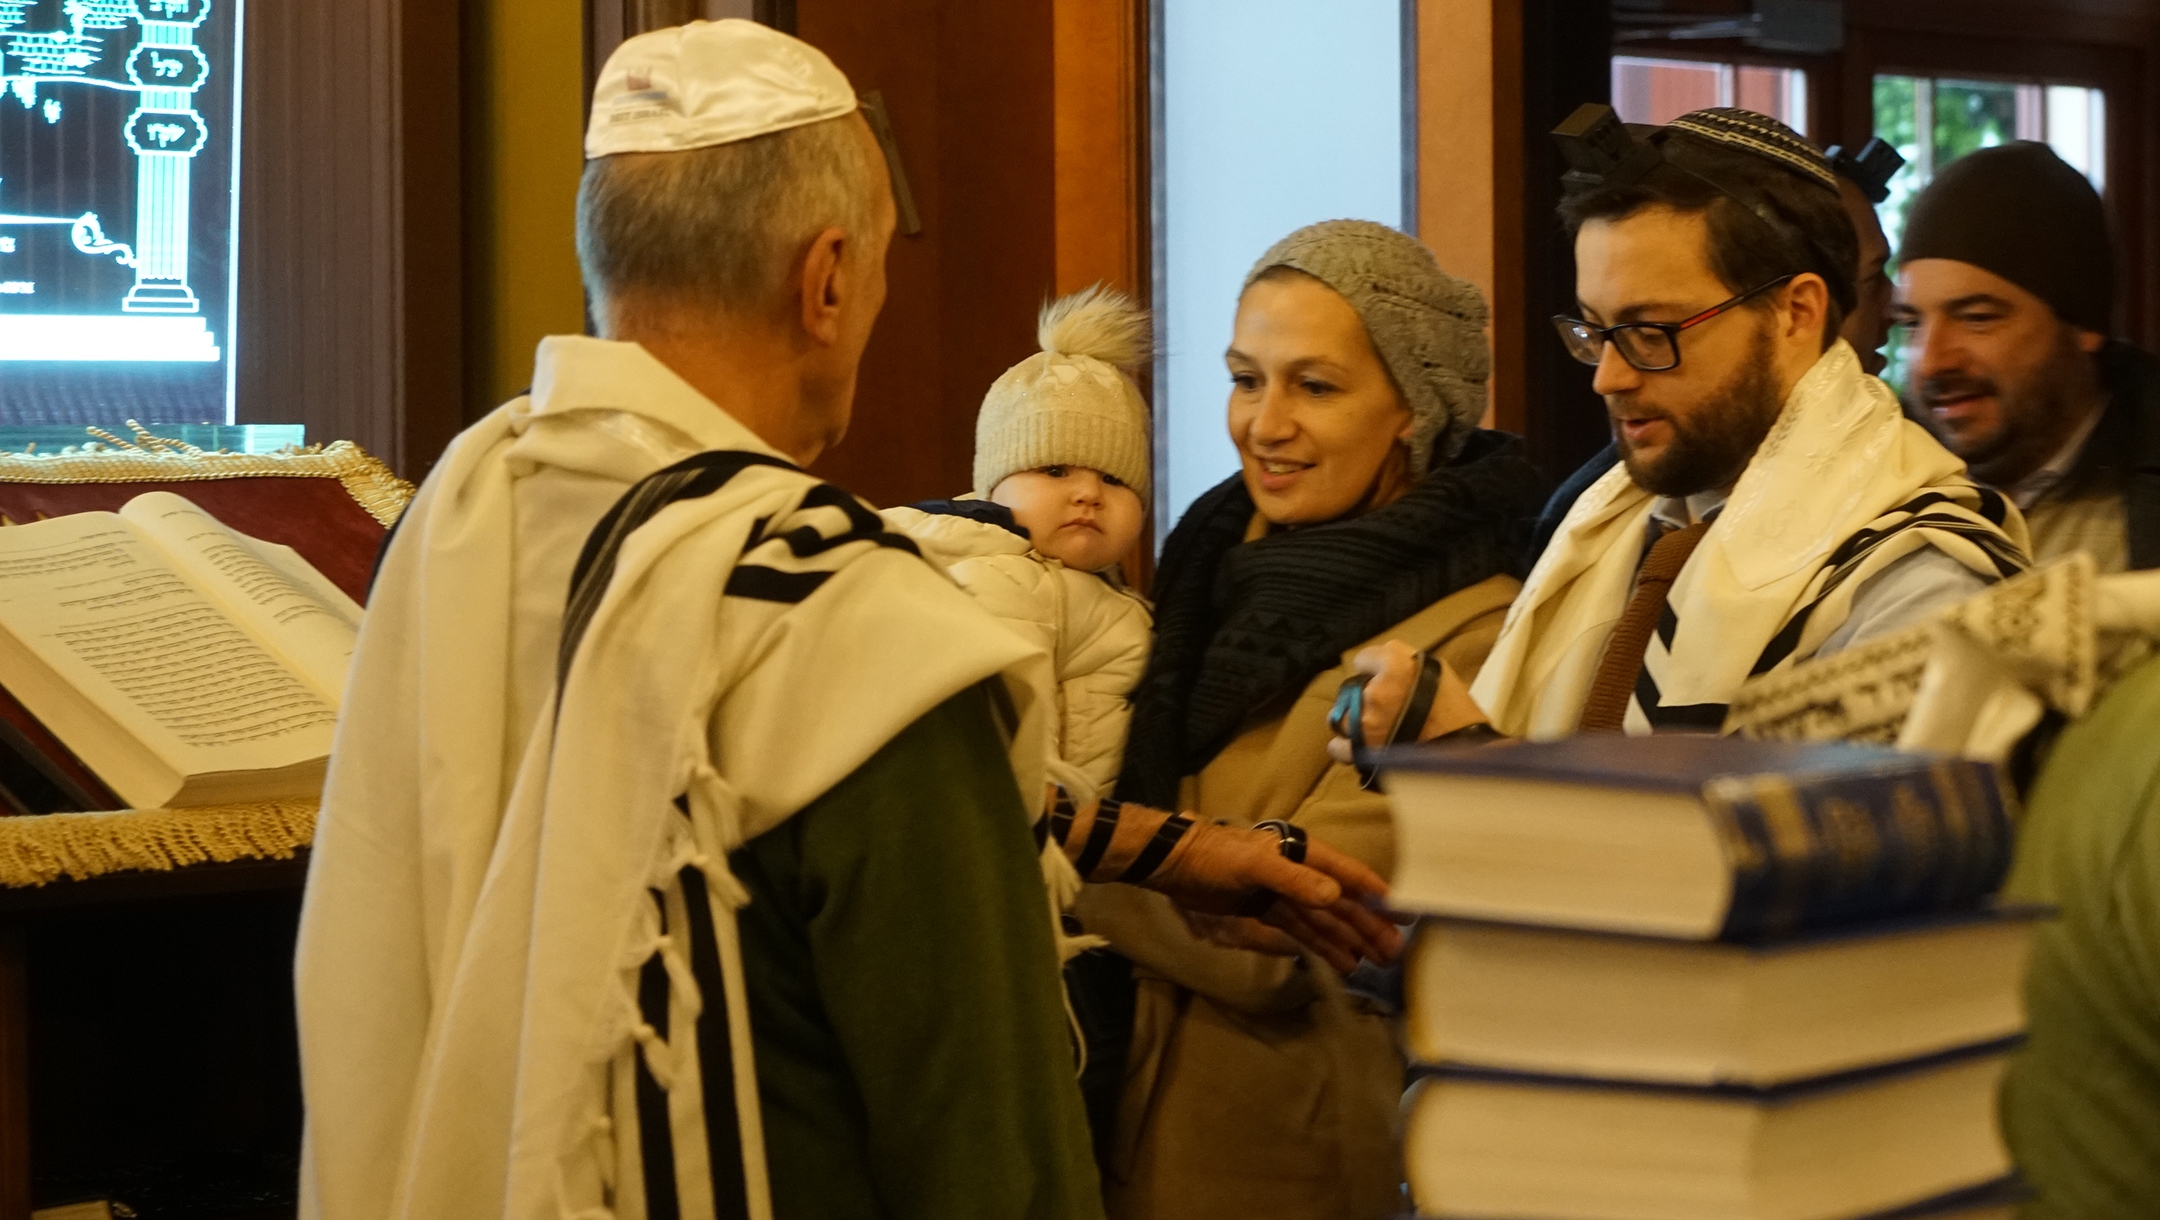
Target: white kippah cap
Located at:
point(710, 82)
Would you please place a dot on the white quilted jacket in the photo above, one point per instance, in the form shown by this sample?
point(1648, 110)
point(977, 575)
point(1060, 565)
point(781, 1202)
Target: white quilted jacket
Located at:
point(1097, 633)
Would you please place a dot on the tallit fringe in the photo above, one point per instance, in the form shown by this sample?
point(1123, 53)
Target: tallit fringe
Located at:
point(1062, 882)
point(673, 1062)
point(1059, 876)
point(45, 848)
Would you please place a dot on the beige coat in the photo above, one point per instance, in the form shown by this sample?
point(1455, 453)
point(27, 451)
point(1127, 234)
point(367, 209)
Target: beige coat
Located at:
point(1256, 1086)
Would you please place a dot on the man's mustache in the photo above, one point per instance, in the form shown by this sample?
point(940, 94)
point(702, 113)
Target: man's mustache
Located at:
point(1617, 409)
point(1944, 386)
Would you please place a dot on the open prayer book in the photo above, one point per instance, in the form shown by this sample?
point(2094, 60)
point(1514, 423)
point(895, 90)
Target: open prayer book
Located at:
point(183, 662)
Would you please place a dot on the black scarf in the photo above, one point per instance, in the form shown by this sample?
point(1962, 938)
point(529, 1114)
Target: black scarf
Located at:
point(1240, 627)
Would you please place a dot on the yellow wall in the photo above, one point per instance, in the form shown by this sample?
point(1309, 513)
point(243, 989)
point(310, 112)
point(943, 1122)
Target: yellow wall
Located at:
point(524, 154)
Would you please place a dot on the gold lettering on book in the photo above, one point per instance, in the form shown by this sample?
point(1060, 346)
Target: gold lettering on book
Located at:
point(1742, 854)
point(1850, 833)
point(1963, 854)
point(1916, 845)
point(1792, 848)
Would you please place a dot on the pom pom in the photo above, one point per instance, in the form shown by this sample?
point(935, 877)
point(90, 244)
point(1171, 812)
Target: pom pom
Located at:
point(1096, 321)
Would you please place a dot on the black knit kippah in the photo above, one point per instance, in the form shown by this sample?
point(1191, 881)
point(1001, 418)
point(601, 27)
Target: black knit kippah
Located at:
point(2025, 214)
point(1760, 135)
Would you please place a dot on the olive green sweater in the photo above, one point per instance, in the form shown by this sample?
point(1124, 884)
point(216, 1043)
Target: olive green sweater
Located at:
point(911, 1039)
point(2081, 1108)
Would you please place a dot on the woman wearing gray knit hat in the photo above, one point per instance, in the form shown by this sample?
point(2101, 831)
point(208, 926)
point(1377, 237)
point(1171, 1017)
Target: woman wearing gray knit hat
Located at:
point(1369, 506)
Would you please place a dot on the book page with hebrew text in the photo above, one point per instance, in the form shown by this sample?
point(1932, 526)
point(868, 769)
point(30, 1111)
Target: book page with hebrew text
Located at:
point(118, 651)
point(269, 588)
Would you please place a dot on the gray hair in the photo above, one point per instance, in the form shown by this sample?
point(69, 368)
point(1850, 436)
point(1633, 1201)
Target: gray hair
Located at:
point(720, 226)
point(1427, 326)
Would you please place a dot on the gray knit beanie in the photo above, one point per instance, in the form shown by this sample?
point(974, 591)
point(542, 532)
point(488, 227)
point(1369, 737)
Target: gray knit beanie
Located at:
point(1428, 326)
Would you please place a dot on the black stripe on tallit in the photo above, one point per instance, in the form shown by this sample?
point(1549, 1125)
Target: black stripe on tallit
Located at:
point(716, 1060)
point(1688, 717)
point(1679, 717)
point(765, 584)
point(656, 1138)
point(700, 474)
point(2007, 563)
point(863, 526)
point(1647, 693)
point(1857, 548)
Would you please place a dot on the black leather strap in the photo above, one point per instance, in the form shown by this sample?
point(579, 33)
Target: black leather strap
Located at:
point(1062, 813)
point(1158, 850)
point(1099, 836)
point(1419, 709)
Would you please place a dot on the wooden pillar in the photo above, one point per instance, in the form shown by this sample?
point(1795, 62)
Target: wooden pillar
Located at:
point(1100, 109)
point(1104, 202)
point(1470, 170)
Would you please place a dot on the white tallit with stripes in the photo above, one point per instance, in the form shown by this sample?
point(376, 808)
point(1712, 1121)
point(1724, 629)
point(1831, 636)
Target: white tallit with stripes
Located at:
point(1842, 487)
point(533, 1008)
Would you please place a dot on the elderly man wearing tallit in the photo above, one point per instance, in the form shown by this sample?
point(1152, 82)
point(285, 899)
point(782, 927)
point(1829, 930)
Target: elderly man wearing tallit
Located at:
point(1773, 503)
point(683, 851)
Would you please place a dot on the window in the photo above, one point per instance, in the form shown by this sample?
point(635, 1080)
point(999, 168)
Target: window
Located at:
point(1960, 116)
point(1934, 121)
point(1274, 114)
point(118, 134)
point(1660, 90)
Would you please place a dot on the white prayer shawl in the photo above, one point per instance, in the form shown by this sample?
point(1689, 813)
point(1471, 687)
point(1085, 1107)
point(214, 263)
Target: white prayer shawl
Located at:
point(1842, 487)
point(469, 957)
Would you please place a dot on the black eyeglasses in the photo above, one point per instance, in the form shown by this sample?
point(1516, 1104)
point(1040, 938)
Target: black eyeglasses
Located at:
point(1651, 347)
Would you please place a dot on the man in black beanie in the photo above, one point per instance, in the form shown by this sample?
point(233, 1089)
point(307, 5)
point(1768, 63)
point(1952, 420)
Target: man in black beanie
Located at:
point(2006, 291)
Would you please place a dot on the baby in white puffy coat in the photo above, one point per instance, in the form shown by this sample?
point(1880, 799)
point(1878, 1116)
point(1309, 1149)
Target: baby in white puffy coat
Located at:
point(1061, 484)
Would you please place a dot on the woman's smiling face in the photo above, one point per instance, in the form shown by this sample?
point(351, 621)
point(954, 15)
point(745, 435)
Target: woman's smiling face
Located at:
point(1320, 429)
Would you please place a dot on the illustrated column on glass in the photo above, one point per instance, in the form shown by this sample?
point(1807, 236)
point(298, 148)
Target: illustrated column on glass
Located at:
point(117, 209)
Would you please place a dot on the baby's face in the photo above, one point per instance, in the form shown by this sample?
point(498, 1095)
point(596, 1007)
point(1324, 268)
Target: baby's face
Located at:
point(1080, 517)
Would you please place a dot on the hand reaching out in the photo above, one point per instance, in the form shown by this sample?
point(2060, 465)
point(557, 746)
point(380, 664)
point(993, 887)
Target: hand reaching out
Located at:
point(1394, 673)
point(1325, 904)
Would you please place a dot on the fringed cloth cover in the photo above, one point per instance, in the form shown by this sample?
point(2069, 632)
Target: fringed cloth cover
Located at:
point(332, 503)
point(77, 846)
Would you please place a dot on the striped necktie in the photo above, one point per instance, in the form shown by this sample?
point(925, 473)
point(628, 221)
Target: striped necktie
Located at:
point(1605, 711)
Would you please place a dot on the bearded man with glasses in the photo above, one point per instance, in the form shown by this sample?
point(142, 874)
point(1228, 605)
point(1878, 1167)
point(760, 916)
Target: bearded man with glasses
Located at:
point(1772, 502)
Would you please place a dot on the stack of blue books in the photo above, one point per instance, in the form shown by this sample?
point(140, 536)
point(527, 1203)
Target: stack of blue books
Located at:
point(1700, 978)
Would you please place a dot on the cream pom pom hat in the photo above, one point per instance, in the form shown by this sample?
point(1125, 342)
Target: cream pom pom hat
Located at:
point(1072, 403)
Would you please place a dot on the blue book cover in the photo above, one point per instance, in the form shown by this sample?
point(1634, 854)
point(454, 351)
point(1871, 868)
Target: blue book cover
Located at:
point(1806, 938)
point(1765, 1095)
point(1816, 834)
point(2001, 1193)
